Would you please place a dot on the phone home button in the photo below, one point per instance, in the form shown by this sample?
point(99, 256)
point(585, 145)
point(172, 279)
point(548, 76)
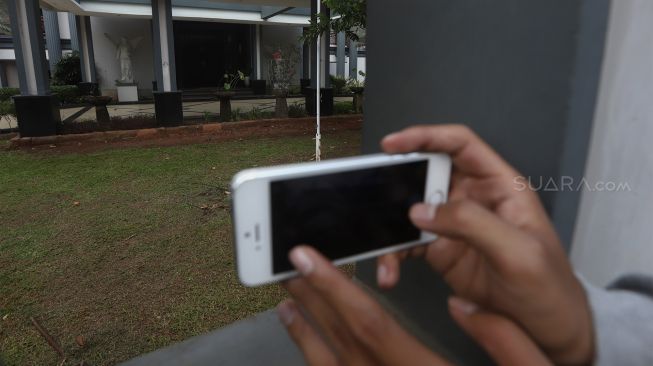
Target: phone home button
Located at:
point(435, 198)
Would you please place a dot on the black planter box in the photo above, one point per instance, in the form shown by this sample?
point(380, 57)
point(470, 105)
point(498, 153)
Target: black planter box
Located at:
point(326, 101)
point(168, 108)
point(258, 86)
point(89, 88)
point(37, 115)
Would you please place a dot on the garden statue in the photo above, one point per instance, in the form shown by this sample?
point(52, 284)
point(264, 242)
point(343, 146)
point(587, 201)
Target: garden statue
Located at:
point(124, 49)
point(282, 68)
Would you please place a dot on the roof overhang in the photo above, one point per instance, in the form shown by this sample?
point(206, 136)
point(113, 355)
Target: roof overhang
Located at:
point(231, 12)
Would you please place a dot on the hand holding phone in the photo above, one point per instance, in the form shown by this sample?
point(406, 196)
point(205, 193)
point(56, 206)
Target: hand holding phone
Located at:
point(348, 209)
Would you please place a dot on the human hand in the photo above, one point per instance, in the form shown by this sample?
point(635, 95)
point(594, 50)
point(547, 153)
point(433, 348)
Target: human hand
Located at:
point(334, 322)
point(496, 245)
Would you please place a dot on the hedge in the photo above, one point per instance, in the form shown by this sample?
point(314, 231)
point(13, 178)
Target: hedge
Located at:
point(68, 94)
point(7, 93)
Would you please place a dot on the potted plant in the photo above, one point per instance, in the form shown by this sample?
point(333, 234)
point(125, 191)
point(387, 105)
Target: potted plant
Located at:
point(357, 87)
point(282, 68)
point(227, 92)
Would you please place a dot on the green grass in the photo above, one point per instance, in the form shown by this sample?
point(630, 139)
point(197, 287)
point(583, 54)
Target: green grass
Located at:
point(130, 249)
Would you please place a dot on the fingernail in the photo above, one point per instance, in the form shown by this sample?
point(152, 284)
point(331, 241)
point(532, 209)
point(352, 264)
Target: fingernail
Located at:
point(423, 212)
point(390, 136)
point(462, 306)
point(381, 274)
point(301, 261)
point(286, 313)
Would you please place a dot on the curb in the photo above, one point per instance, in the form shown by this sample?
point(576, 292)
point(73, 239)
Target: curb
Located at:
point(216, 128)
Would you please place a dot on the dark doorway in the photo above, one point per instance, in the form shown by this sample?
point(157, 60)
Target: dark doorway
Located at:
point(205, 51)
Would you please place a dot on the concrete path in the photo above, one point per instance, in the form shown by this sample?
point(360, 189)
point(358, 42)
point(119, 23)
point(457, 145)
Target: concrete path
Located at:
point(191, 109)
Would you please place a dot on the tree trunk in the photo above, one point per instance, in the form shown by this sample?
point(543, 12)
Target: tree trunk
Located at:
point(358, 102)
point(225, 109)
point(281, 108)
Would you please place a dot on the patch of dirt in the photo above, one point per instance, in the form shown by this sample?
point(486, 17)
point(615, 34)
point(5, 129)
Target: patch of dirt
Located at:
point(236, 131)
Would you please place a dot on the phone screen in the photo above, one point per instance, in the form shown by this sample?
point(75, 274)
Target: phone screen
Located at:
point(346, 213)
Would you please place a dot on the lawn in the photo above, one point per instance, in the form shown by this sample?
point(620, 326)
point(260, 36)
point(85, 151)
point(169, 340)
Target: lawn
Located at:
point(127, 250)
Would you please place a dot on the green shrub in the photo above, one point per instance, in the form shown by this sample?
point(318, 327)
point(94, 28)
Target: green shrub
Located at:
point(236, 115)
point(294, 90)
point(343, 107)
point(338, 83)
point(7, 108)
point(296, 110)
point(68, 70)
point(68, 94)
point(7, 93)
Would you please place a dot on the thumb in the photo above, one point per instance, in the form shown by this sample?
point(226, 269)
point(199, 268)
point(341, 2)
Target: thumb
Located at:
point(505, 342)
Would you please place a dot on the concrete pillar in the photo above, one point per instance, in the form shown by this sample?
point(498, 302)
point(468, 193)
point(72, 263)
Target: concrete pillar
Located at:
point(340, 55)
point(252, 51)
point(28, 46)
point(74, 33)
point(86, 54)
point(353, 59)
point(52, 38)
point(167, 101)
point(613, 232)
point(306, 59)
point(37, 111)
point(3, 75)
point(164, 45)
point(548, 113)
point(258, 51)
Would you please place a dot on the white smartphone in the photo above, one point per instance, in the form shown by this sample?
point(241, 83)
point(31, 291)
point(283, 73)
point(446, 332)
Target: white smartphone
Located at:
point(348, 209)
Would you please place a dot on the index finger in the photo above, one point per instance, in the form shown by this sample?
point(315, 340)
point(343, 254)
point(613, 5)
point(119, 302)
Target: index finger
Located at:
point(367, 321)
point(469, 153)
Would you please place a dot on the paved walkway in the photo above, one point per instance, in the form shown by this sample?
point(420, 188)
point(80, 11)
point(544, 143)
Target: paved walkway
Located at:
point(191, 109)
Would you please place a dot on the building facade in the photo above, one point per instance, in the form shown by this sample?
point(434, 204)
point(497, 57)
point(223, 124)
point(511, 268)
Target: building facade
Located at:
point(209, 39)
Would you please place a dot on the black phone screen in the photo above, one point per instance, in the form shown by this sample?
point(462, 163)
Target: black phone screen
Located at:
point(346, 213)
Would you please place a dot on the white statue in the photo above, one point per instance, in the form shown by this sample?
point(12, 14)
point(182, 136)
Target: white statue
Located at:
point(124, 49)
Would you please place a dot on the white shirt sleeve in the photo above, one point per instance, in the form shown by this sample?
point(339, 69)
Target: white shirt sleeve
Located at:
point(623, 321)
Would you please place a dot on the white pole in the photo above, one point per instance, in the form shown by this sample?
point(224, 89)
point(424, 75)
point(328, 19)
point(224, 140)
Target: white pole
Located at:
point(317, 91)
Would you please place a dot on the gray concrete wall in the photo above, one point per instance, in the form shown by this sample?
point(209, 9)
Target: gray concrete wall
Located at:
point(108, 67)
point(614, 234)
point(522, 73)
point(12, 74)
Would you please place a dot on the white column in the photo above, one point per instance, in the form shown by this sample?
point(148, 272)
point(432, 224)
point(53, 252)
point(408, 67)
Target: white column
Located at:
point(164, 48)
point(28, 46)
point(340, 54)
point(258, 51)
point(353, 59)
point(613, 230)
point(86, 55)
point(52, 37)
